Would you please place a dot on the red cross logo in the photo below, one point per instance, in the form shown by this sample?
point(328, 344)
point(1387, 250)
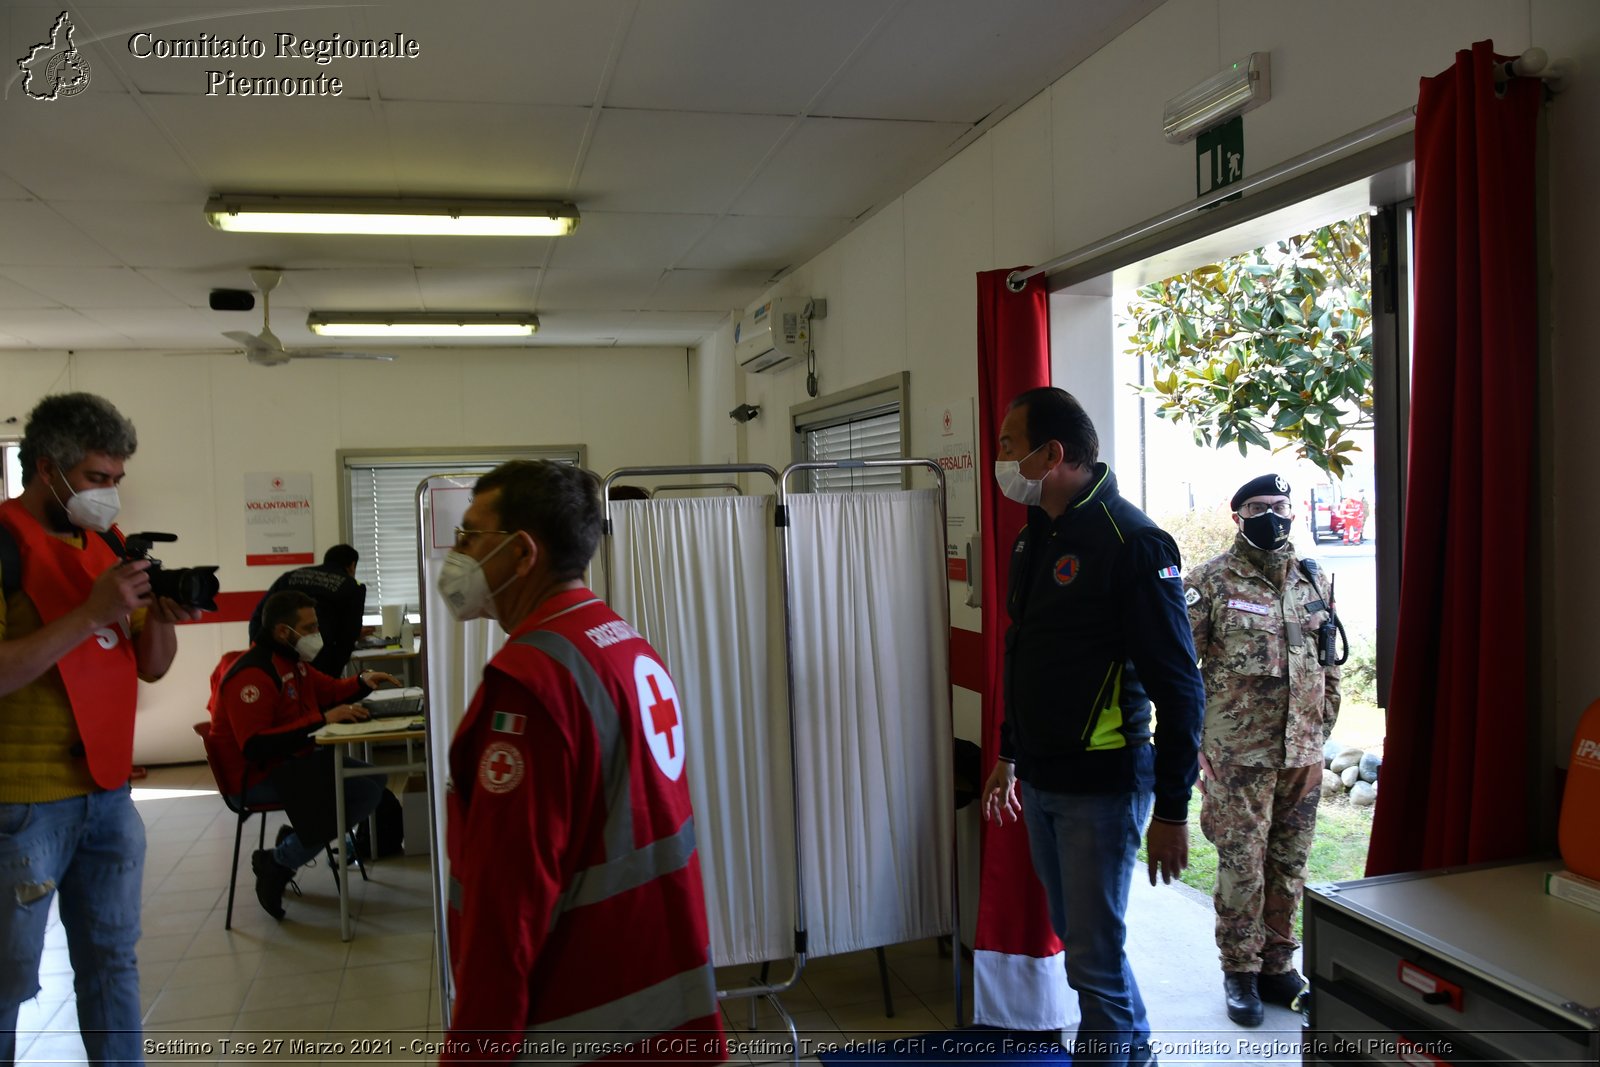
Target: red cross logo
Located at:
point(663, 714)
point(500, 770)
point(659, 718)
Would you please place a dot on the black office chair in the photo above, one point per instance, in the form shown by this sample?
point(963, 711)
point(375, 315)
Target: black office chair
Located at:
point(243, 811)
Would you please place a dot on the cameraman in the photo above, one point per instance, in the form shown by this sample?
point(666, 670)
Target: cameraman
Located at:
point(78, 629)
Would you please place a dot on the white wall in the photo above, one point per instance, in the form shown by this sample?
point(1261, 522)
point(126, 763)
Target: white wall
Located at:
point(1086, 159)
point(205, 421)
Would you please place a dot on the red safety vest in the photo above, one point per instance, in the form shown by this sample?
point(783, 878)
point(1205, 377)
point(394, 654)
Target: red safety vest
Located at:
point(577, 918)
point(101, 674)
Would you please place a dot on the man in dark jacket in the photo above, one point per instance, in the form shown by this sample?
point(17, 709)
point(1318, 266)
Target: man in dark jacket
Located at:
point(270, 702)
point(1098, 631)
point(340, 601)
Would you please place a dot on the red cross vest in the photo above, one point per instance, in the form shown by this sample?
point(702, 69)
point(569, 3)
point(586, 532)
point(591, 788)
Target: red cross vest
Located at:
point(577, 911)
point(101, 674)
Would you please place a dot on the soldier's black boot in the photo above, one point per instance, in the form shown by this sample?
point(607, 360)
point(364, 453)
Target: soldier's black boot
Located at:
point(1244, 1002)
point(1284, 989)
point(271, 878)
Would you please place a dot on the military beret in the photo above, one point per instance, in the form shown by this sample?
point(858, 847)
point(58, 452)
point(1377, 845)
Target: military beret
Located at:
point(1266, 485)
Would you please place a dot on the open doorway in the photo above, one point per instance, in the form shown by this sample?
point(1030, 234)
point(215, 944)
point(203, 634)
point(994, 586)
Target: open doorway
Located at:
point(1275, 345)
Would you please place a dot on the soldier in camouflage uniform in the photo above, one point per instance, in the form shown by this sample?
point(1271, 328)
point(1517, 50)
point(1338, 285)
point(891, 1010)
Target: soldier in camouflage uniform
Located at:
point(1270, 706)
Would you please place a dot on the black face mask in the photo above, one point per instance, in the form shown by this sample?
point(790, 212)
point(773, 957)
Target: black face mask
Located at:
point(1267, 532)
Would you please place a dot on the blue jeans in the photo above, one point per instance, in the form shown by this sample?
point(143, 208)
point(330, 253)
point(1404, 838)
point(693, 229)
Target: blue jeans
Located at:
point(1083, 847)
point(361, 796)
point(90, 851)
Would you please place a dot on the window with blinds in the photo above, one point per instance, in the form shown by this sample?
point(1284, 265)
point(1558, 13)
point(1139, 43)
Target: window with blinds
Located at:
point(867, 422)
point(381, 521)
point(867, 437)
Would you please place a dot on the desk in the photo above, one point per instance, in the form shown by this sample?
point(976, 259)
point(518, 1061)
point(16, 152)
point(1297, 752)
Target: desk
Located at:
point(395, 660)
point(379, 730)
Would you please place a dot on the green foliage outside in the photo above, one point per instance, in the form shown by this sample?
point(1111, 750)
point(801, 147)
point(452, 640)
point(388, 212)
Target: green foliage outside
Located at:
point(1201, 534)
point(1338, 854)
point(1275, 343)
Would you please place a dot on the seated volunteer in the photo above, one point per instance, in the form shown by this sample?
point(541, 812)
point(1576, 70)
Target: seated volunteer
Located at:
point(270, 701)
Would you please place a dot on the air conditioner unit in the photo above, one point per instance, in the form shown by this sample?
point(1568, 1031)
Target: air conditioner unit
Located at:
point(775, 332)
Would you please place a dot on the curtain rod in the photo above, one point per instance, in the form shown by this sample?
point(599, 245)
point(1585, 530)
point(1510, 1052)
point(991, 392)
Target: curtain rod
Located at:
point(1397, 123)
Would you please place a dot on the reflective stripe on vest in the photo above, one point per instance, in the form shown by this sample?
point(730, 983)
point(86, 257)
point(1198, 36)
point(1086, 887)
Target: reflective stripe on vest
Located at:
point(667, 1005)
point(604, 880)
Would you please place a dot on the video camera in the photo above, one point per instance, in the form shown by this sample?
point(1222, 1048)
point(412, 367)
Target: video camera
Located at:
point(191, 587)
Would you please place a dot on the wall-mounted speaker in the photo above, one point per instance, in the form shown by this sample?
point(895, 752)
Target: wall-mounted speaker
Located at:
point(232, 300)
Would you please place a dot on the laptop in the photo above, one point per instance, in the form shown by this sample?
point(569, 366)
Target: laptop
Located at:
point(394, 703)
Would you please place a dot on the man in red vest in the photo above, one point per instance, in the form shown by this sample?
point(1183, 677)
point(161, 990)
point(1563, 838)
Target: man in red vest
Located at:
point(78, 629)
point(577, 916)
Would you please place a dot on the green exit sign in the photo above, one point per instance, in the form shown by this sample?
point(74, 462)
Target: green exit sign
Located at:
point(1219, 157)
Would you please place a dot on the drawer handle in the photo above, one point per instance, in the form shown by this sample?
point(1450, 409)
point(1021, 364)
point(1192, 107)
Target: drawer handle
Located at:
point(1433, 989)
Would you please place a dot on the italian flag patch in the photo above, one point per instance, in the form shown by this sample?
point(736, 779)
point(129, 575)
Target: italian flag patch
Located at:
point(507, 723)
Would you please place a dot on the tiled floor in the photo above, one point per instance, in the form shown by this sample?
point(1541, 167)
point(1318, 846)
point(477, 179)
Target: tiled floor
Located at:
point(209, 993)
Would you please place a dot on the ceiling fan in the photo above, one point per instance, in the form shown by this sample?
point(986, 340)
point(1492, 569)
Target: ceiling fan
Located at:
point(265, 349)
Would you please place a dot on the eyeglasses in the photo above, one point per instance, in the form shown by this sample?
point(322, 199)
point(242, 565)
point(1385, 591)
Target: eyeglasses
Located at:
point(1255, 509)
point(465, 536)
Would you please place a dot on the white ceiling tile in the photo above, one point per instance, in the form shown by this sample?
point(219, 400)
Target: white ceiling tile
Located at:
point(31, 234)
point(101, 288)
point(176, 328)
point(449, 289)
point(515, 253)
point(363, 288)
point(528, 51)
point(10, 190)
point(288, 146)
point(707, 290)
point(61, 328)
point(17, 294)
point(956, 61)
point(767, 57)
point(672, 161)
point(619, 240)
point(840, 168)
point(484, 150)
point(92, 148)
point(583, 327)
point(755, 242)
point(591, 290)
point(177, 237)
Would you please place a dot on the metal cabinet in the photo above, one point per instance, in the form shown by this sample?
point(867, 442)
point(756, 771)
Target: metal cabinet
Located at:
point(1472, 965)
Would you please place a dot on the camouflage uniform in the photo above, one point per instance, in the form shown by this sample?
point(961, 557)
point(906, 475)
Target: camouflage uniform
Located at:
point(1269, 709)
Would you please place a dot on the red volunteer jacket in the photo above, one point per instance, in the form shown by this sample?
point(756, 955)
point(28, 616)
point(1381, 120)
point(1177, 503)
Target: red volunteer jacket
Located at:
point(577, 912)
point(268, 693)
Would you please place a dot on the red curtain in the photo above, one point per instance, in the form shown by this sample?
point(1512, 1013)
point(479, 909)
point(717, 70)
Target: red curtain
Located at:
point(1454, 786)
point(1013, 920)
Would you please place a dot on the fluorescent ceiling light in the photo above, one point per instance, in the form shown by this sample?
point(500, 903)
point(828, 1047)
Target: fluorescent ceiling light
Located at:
point(362, 215)
point(422, 323)
point(1245, 85)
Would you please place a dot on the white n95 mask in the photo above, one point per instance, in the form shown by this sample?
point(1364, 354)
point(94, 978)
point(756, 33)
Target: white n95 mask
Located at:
point(465, 590)
point(92, 509)
point(1025, 491)
point(308, 647)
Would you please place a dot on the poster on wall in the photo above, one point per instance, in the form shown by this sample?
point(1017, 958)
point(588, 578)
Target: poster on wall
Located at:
point(947, 428)
point(277, 520)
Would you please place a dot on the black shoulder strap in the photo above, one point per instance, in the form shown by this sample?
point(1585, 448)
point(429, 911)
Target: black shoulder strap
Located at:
point(258, 656)
point(10, 563)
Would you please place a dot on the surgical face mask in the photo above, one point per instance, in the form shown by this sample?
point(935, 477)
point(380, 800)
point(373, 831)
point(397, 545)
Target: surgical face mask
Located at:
point(92, 509)
point(308, 646)
point(464, 588)
point(1025, 491)
point(1267, 532)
